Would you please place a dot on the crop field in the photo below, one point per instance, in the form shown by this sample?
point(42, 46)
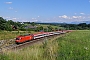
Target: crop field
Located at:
point(45, 26)
point(72, 46)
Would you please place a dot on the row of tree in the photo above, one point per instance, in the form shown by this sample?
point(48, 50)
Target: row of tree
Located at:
point(81, 26)
point(10, 25)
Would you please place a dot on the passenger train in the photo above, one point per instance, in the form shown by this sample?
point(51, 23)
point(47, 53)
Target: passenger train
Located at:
point(29, 37)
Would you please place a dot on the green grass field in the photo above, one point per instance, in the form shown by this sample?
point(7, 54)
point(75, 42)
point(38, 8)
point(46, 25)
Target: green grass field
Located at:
point(45, 26)
point(73, 46)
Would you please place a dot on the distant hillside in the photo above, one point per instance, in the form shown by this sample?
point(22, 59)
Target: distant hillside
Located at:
point(52, 23)
point(78, 22)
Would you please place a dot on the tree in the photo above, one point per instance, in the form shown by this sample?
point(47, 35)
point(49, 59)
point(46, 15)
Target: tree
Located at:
point(2, 23)
point(49, 28)
point(33, 23)
point(11, 22)
point(83, 25)
point(2, 20)
point(41, 28)
point(8, 25)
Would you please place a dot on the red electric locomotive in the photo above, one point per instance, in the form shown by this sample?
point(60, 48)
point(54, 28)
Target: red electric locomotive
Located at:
point(28, 37)
point(24, 38)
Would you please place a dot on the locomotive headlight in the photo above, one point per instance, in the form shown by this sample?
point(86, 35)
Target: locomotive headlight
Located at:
point(30, 37)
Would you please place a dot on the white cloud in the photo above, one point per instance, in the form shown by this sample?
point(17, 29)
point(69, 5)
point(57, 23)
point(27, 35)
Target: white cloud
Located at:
point(83, 17)
point(14, 18)
point(82, 13)
point(8, 2)
point(74, 17)
point(38, 16)
point(10, 8)
point(33, 18)
point(89, 17)
point(80, 16)
point(64, 16)
point(15, 11)
point(7, 17)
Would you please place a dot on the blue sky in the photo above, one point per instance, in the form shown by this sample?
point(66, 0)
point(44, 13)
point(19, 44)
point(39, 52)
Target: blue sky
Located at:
point(45, 10)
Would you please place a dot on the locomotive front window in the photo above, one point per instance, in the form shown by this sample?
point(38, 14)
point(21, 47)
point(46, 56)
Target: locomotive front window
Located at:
point(17, 38)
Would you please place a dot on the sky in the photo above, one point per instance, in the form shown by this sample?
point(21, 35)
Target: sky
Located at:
point(47, 11)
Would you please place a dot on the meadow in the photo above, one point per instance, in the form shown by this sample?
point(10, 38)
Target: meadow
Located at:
point(72, 46)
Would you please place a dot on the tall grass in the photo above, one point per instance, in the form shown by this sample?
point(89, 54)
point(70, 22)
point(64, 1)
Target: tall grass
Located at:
point(75, 46)
point(46, 50)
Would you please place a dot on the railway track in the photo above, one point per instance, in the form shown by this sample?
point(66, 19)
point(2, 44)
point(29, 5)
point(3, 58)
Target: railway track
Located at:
point(26, 44)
